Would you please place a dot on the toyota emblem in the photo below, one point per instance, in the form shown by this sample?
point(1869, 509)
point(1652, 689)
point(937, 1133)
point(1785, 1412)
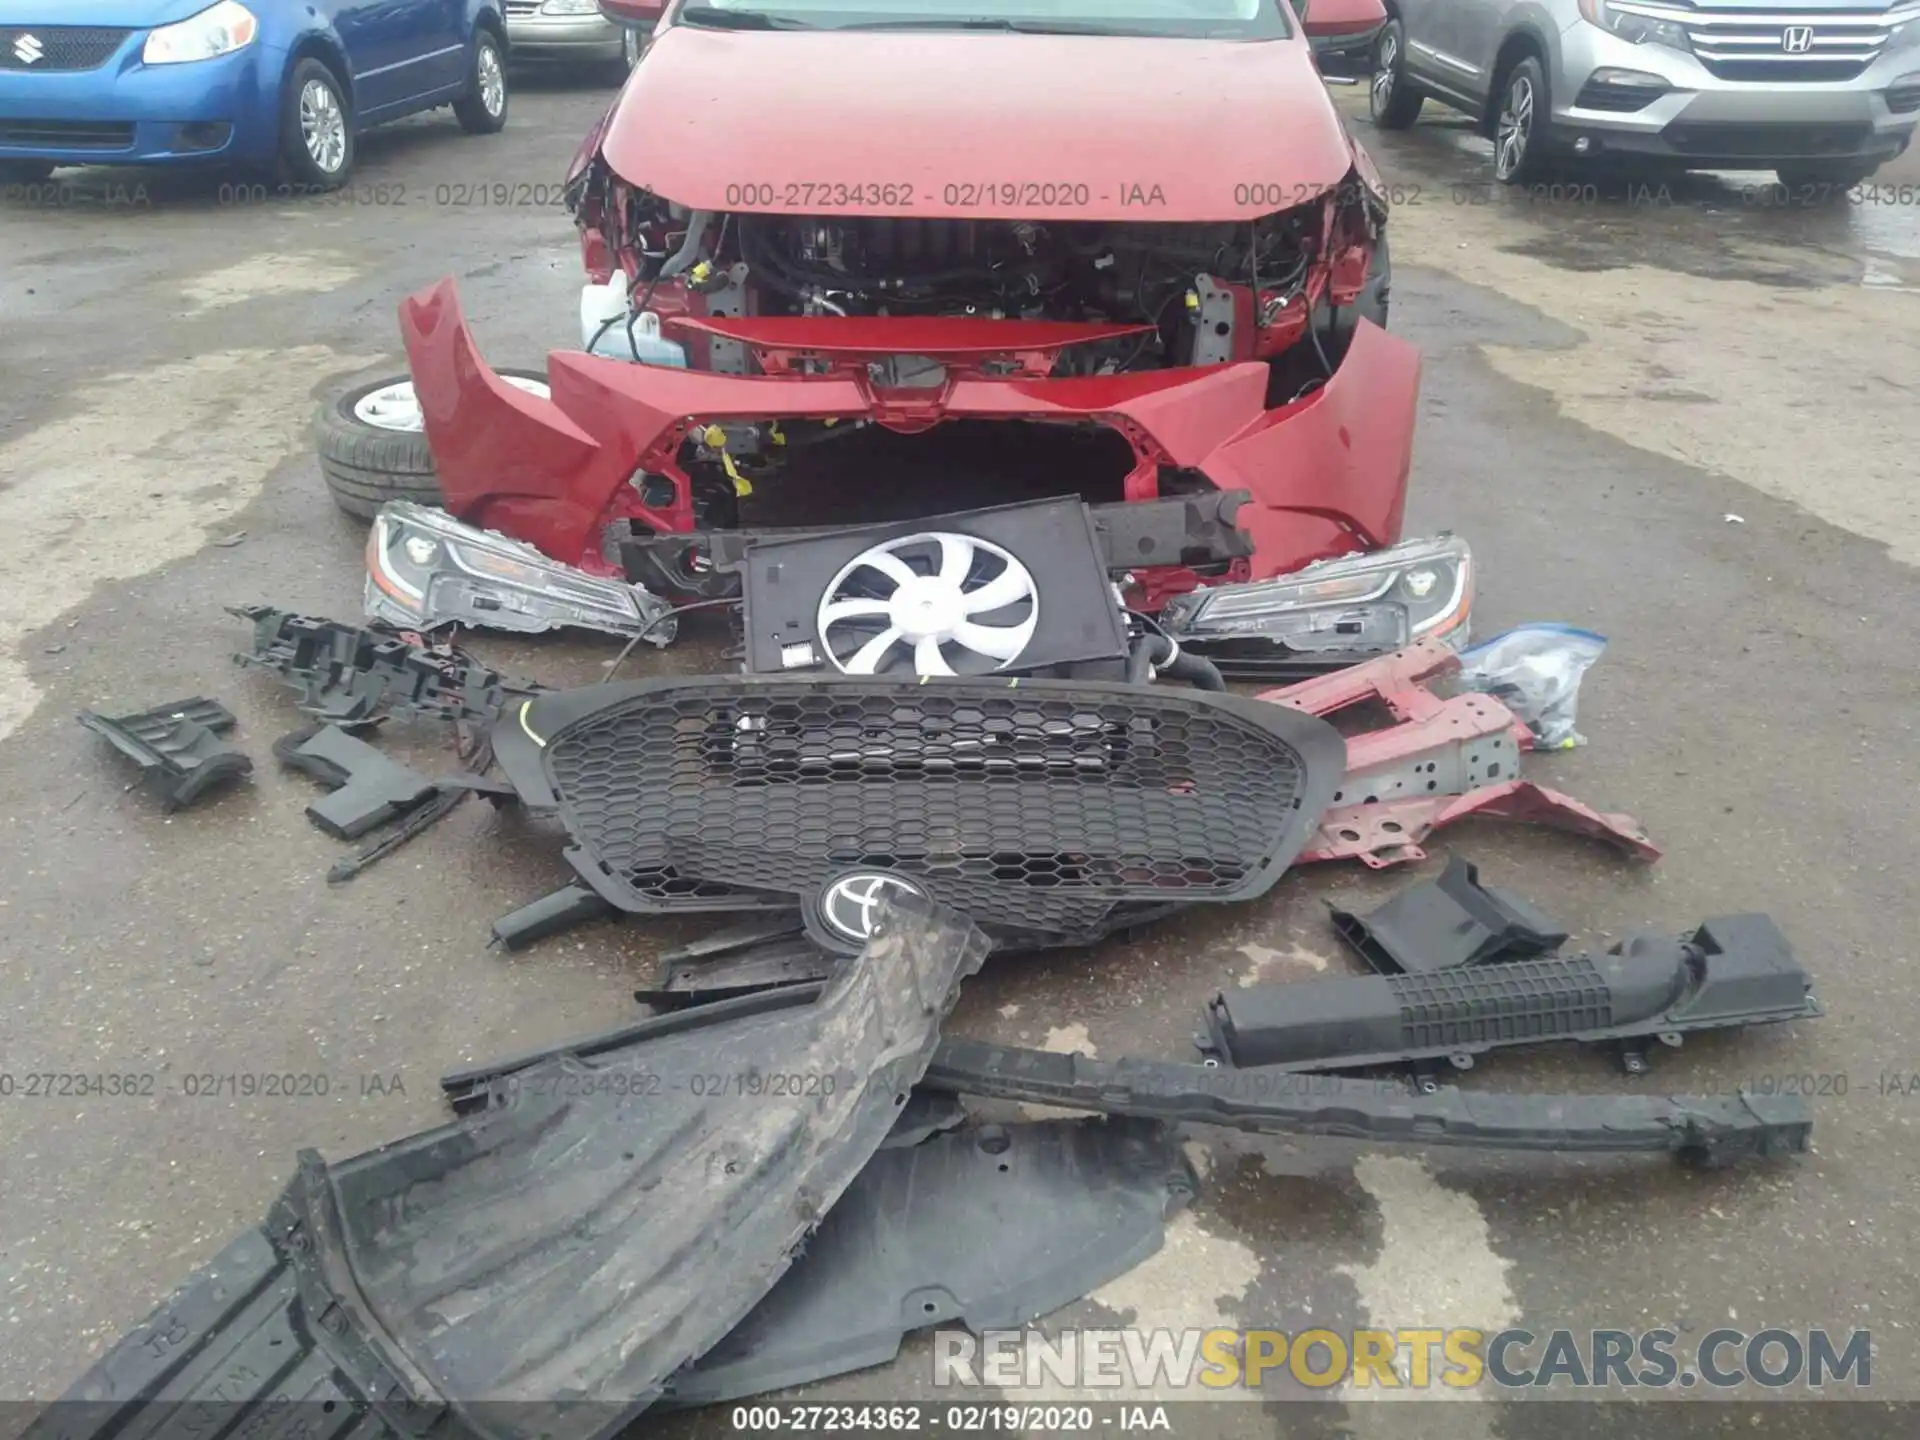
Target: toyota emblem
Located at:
point(29, 50)
point(1797, 39)
point(850, 905)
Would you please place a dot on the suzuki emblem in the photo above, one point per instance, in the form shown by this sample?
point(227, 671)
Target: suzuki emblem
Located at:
point(1796, 39)
point(29, 49)
point(849, 903)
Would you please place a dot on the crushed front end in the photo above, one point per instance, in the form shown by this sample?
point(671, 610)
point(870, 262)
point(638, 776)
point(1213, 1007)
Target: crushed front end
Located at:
point(1230, 354)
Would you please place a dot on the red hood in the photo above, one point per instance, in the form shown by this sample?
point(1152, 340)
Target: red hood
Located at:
point(1061, 127)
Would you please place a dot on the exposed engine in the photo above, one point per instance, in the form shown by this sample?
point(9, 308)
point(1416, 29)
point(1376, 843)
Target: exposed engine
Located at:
point(1285, 289)
point(1195, 283)
point(1017, 270)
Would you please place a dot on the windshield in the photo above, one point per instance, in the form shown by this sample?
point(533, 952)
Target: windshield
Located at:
point(1206, 19)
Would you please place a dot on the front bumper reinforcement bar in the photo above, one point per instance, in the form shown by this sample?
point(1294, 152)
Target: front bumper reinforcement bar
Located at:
point(1715, 1130)
point(1706, 1130)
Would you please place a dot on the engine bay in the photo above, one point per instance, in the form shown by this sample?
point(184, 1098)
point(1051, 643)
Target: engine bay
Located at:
point(1213, 292)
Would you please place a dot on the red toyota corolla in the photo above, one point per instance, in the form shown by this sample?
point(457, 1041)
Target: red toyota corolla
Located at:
point(1142, 217)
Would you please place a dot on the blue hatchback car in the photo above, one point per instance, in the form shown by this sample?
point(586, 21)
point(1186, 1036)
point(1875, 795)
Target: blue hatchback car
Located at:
point(280, 83)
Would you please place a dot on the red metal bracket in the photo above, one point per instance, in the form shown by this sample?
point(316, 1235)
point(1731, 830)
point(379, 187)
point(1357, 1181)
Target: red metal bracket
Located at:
point(1447, 758)
point(1389, 833)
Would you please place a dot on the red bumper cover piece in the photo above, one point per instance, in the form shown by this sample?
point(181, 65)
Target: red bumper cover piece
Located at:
point(1328, 472)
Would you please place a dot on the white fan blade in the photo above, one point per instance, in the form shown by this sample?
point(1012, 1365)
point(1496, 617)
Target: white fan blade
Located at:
point(839, 610)
point(866, 660)
point(889, 565)
point(1005, 588)
point(927, 659)
point(956, 558)
point(1002, 642)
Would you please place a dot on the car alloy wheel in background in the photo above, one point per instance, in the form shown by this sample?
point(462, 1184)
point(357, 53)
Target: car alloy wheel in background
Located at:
point(1382, 93)
point(1519, 134)
point(323, 126)
point(493, 81)
point(316, 128)
point(483, 109)
point(1393, 103)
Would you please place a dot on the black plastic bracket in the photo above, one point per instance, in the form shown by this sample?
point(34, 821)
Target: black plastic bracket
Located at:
point(1448, 921)
point(177, 747)
point(566, 907)
point(369, 790)
point(752, 956)
point(1195, 530)
point(346, 673)
point(1733, 971)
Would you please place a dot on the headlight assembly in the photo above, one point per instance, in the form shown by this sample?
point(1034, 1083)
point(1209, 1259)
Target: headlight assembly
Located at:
point(1365, 604)
point(218, 30)
point(424, 569)
point(1639, 29)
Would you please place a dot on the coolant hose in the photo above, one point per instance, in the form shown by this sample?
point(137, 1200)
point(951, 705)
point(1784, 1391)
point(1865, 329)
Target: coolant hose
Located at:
point(689, 249)
point(1145, 653)
point(1196, 670)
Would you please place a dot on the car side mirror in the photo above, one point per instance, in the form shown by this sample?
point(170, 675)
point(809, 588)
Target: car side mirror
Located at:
point(1342, 33)
point(634, 12)
point(1341, 22)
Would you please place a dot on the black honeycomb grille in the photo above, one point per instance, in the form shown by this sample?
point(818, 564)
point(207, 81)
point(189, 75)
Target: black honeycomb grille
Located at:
point(1043, 805)
point(58, 47)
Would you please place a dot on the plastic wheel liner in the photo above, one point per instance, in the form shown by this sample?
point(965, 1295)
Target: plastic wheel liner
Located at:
point(992, 1225)
point(543, 1266)
point(1051, 807)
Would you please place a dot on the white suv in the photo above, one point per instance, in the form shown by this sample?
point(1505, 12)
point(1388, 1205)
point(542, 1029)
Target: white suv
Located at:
point(1819, 91)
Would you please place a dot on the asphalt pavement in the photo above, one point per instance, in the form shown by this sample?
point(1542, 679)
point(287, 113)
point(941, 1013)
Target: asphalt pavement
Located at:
point(1684, 417)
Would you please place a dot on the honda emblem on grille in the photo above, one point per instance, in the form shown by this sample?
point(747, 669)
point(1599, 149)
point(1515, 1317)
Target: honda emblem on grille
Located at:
point(850, 905)
point(1796, 39)
point(29, 50)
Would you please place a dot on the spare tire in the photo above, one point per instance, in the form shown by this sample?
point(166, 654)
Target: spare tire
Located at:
point(373, 447)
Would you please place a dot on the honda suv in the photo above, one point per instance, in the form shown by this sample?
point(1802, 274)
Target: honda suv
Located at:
point(1819, 91)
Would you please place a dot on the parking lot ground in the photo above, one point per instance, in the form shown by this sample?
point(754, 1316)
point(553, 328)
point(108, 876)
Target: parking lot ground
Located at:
point(1689, 422)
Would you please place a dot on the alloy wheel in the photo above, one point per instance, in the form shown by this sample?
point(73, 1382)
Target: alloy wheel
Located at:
point(493, 80)
point(1381, 93)
point(323, 126)
point(1515, 130)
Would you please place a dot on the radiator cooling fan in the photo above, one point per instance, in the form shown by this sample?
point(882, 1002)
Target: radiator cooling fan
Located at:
point(1015, 590)
point(935, 603)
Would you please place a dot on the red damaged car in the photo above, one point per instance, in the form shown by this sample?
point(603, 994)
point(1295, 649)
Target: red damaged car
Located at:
point(1138, 224)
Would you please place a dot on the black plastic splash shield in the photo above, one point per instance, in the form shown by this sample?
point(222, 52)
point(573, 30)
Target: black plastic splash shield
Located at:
point(241, 1339)
point(541, 1267)
point(1051, 807)
point(1733, 971)
point(1450, 920)
point(1711, 1130)
point(993, 1226)
point(177, 747)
